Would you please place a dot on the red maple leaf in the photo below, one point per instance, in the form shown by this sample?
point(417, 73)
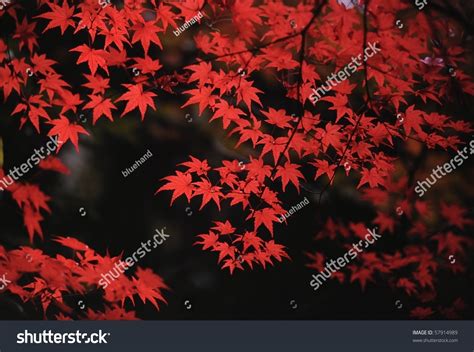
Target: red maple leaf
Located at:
point(101, 107)
point(265, 216)
point(93, 57)
point(137, 98)
point(179, 184)
point(289, 173)
point(65, 130)
point(60, 16)
point(146, 33)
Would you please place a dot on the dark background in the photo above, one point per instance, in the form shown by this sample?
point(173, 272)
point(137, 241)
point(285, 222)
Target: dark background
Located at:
point(123, 212)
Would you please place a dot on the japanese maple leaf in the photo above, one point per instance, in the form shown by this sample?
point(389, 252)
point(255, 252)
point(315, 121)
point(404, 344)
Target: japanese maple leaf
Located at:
point(413, 120)
point(276, 250)
point(32, 219)
point(231, 264)
point(277, 118)
point(148, 286)
point(101, 107)
point(146, 33)
point(362, 275)
point(201, 96)
point(224, 250)
point(65, 130)
point(421, 313)
point(166, 15)
point(372, 177)
point(258, 170)
point(93, 57)
point(197, 166)
point(208, 192)
point(28, 194)
point(35, 109)
point(408, 285)
point(265, 216)
point(71, 242)
point(423, 277)
point(225, 228)
point(385, 222)
point(179, 184)
point(455, 215)
point(274, 145)
point(330, 136)
point(289, 173)
point(60, 16)
point(113, 312)
point(449, 242)
point(317, 261)
point(26, 35)
point(46, 297)
point(362, 149)
point(137, 98)
point(228, 113)
point(52, 84)
point(147, 64)
point(263, 257)
point(379, 133)
point(252, 134)
point(201, 72)
point(359, 229)
point(67, 101)
point(8, 81)
point(250, 239)
point(97, 83)
point(55, 164)
point(208, 240)
point(248, 93)
point(42, 64)
point(323, 167)
point(339, 101)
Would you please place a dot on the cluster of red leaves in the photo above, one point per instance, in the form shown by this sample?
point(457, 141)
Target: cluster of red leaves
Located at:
point(31, 199)
point(354, 129)
point(437, 235)
point(236, 184)
point(59, 283)
point(34, 81)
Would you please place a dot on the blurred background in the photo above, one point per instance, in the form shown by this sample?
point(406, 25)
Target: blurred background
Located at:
point(121, 212)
